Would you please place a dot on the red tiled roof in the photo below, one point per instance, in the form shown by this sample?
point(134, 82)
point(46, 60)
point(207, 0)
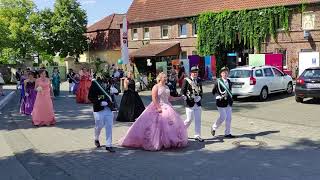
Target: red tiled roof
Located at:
point(152, 10)
point(155, 49)
point(110, 22)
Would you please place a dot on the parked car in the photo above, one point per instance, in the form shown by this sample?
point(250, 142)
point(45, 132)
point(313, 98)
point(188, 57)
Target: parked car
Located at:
point(259, 81)
point(308, 84)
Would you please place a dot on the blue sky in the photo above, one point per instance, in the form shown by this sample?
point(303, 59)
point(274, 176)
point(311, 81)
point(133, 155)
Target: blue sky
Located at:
point(96, 9)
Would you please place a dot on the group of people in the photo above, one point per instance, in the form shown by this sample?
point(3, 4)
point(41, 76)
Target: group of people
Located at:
point(159, 126)
point(154, 127)
point(36, 96)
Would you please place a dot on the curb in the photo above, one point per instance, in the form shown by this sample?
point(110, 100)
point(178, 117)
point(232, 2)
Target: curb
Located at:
point(6, 99)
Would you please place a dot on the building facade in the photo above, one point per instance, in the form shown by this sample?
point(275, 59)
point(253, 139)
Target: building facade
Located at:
point(104, 40)
point(303, 36)
point(156, 21)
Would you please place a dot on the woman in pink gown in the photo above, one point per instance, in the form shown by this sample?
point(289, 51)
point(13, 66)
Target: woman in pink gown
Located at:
point(159, 126)
point(42, 113)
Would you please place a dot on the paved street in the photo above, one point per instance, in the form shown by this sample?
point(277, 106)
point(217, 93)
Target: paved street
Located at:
point(279, 139)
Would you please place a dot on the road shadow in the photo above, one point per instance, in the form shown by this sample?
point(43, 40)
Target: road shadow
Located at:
point(312, 101)
point(272, 97)
point(296, 161)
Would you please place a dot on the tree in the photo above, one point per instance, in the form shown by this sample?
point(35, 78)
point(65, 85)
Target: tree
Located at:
point(15, 25)
point(69, 24)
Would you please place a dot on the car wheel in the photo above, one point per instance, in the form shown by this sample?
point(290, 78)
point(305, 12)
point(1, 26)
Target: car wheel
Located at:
point(289, 88)
point(299, 99)
point(264, 94)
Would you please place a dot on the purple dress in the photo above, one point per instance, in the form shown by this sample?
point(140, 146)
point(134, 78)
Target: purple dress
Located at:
point(154, 131)
point(27, 102)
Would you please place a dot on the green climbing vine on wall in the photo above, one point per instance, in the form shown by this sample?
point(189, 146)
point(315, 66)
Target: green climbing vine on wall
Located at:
point(247, 27)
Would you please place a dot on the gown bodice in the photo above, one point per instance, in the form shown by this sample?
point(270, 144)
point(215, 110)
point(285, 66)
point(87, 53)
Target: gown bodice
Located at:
point(163, 94)
point(131, 85)
point(30, 85)
point(45, 85)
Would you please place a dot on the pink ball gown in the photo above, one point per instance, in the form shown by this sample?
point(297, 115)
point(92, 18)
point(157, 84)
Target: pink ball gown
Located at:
point(42, 113)
point(154, 131)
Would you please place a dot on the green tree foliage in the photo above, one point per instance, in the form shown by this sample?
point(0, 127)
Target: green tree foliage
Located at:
point(69, 24)
point(24, 31)
point(15, 25)
point(248, 27)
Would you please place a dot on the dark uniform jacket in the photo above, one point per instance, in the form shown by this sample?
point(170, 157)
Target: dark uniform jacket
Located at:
point(188, 91)
point(96, 96)
point(222, 102)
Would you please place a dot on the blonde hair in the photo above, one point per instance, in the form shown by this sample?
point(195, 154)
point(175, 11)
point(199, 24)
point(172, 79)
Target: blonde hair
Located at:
point(159, 76)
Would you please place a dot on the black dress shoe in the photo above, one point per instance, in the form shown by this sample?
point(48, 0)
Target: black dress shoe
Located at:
point(199, 139)
point(110, 149)
point(97, 143)
point(213, 132)
point(229, 136)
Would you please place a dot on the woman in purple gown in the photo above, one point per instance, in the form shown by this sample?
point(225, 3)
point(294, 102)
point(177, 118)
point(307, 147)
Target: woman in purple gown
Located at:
point(30, 94)
point(159, 126)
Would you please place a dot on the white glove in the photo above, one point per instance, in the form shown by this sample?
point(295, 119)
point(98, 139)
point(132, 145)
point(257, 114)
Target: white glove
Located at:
point(26, 94)
point(104, 103)
point(184, 97)
point(197, 99)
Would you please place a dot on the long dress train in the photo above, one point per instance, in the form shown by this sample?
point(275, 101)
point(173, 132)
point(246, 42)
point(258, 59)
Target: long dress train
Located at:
point(154, 131)
point(131, 105)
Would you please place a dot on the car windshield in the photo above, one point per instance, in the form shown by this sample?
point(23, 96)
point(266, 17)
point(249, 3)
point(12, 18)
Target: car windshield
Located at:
point(240, 73)
point(311, 74)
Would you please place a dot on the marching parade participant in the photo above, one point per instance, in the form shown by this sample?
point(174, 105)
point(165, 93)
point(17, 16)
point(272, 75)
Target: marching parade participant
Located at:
point(191, 92)
point(159, 126)
point(102, 112)
point(70, 78)
point(29, 98)
point(84, 86)
point(222, 90)
point(43, 112)
point(131, 105)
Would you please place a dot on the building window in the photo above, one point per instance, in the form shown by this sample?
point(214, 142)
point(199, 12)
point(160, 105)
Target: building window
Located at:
point(135, 34)
point(146, 33)
point(165, 32)
point(184, 55)
point(194, 29)
point(194, 53)
point(308, 20)
point(284, 56)
point(183, 30)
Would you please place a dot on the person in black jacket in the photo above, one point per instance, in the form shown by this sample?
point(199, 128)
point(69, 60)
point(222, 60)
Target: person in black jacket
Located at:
point(71, 80)
point(191, 92)
point(102, 112)
point(222, 91)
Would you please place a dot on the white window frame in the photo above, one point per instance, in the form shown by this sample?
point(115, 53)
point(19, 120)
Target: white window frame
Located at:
point(133, 34)
point(180, 30)
point(144, 33)
point(194, 32)
point(162, 28)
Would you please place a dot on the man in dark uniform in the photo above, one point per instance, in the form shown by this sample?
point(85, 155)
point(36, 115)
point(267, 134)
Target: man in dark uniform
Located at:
point(102, 112)
point(71, 80)
point(191, 92)
point(222, 90)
